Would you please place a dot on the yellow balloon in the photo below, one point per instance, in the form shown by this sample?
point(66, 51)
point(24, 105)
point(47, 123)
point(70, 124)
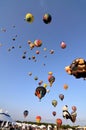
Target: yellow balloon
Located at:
point(50, 73)
point(45, 85)
point(29, 17)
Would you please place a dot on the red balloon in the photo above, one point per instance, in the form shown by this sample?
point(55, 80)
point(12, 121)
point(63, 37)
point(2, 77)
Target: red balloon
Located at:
point(58, 122)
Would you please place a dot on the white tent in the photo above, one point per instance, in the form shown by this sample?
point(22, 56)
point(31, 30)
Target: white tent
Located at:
point(5, 117)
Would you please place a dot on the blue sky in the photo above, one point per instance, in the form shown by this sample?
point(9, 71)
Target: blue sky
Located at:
point(17, 87)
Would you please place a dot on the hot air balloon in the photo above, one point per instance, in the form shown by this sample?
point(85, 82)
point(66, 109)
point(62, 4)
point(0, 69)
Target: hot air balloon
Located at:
point(25, 52)
point(65, 86)
point(66, 114)
point(73, 116)
point(23, 57)
point(54, 103)
point(9, 49)
point(38, 119)
point(37, 52)
point(38, 43)
point(77, 68)
point(45, 49)
point(31, 44)
point(47, 18)
point(33, 57)
point(74, 108)
point(45, 85)
point(51, 79)
point(30, 73)
point(50, 73)
point(35, 78)
point(3, 29)
point(25, 113)
point(29, 58)
point(54, 113)
point(51, 51)
point(58, 122)
point(48, 90)
point(63, 45)
point(14, 39)
point(61, 96)
point(40, 92)
point(20, 46)
point(40, 82)
point(13, 47)
point(29, 17)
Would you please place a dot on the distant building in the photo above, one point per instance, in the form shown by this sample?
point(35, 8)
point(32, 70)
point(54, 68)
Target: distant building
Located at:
point(81, 128)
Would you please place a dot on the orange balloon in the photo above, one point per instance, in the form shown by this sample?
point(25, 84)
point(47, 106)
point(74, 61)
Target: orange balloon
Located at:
point(38, 119)
point(65, 86)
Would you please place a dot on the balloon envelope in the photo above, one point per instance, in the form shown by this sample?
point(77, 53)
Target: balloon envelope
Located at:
point(47, 18)
point(51, 79)
point(54, 113)
point(50, 73)
point(38, 43)
point(25, 113)
point(65, 86)
point(51, 51)
point(61, 96)
point(58, 122)
point(54, 103)
point(77, 68)
point(45, 85)
point(40, 82)
point(38, 119)
point(29, 17)
point(30, 73)
point(35, 78)
point(63, 45)
point(40, 92)
point(74, 108)
point(37, 52)
point(73, 116)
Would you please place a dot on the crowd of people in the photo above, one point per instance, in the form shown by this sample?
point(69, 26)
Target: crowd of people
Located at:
point(4, 125)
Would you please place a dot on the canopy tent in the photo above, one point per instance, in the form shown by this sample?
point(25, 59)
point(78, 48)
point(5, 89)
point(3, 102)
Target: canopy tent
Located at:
point(5, 117)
